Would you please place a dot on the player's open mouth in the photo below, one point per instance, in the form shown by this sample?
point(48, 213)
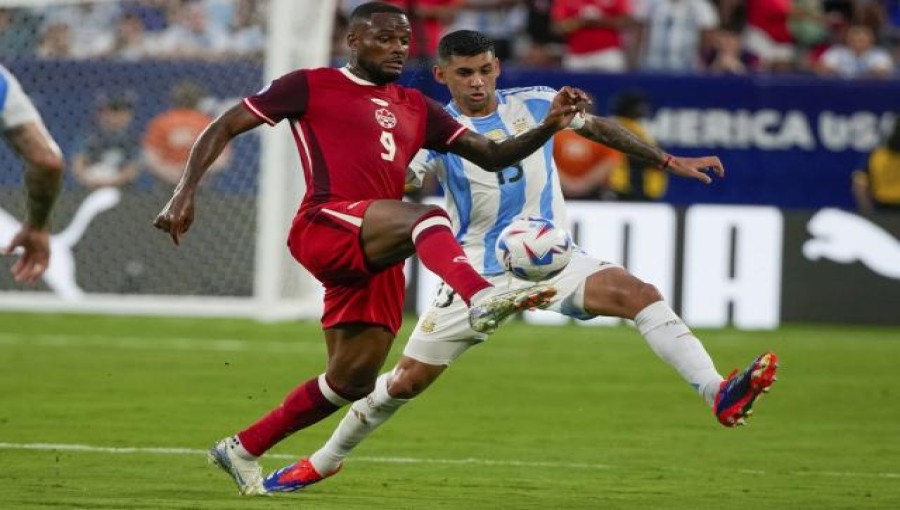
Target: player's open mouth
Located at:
point(395, 64)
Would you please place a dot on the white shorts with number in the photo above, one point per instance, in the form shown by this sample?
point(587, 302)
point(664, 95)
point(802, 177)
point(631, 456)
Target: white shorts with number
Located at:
point(443, 333)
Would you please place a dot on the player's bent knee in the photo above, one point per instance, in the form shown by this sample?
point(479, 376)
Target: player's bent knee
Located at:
point(647, 294)
point(354, 392)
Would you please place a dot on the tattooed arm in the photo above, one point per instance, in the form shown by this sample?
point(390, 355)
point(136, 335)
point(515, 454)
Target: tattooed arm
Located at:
point(611, 134)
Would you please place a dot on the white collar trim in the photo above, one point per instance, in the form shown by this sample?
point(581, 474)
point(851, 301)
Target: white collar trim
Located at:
point(355, 79)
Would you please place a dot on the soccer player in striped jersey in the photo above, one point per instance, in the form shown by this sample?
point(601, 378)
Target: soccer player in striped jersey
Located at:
point(27, 136)
point(481, 204)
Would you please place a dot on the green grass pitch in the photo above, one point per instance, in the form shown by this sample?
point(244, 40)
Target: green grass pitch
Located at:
point(116, 412)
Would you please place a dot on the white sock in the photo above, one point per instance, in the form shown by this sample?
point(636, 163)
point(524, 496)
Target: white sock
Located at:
point(235, 444)
point(673, 341)
point(363, 417)
point(481, 294)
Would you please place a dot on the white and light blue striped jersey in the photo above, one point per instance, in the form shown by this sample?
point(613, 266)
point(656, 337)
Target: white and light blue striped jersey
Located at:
point(15, 107)
point(482, 203)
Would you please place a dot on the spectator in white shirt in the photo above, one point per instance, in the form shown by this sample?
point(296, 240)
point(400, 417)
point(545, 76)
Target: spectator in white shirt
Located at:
point(858, 58)
point(672, 32)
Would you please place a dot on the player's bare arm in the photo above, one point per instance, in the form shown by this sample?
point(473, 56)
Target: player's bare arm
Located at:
point(43, 179)
point(178, 214)
point(611, 134)
point(495, 156)
point(43, 170)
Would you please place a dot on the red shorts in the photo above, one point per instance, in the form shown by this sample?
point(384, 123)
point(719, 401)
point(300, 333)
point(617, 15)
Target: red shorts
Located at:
point(325, 240)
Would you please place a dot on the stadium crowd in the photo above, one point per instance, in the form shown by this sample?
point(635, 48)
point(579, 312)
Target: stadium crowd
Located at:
point(848, 38)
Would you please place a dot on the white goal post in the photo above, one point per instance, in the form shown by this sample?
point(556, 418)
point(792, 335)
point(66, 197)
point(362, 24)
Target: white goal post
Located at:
point(107, 258)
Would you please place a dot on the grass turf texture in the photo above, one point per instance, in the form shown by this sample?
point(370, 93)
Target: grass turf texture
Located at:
point(549, 418)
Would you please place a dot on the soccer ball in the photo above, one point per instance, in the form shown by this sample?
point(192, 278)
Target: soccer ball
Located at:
point(533, 248)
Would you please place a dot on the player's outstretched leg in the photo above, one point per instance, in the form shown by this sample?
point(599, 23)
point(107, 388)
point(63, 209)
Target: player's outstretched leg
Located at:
point(295, 477)
point(488, 313)
point(246, 473)
point(739, 391)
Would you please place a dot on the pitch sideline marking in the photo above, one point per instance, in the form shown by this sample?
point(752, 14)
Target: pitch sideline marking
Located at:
point(170, 343)
point(401, 460)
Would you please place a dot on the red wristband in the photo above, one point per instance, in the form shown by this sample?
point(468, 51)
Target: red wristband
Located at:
point(665, 164)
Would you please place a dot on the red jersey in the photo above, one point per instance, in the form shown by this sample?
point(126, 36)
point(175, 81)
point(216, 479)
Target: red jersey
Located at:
point(355, 138)
point(590, 39)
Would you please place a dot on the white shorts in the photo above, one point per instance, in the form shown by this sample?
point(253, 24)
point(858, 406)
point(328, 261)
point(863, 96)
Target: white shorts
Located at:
point(15, 107)
point(443, 333)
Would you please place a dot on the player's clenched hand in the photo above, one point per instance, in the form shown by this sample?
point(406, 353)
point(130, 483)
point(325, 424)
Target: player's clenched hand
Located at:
point(35, 247)
point(696, 168)
point(568, 102)
point(177, 216)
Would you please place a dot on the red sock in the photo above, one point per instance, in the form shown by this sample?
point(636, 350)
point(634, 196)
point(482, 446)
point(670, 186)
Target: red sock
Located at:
point(441, 253)
point(302, 407)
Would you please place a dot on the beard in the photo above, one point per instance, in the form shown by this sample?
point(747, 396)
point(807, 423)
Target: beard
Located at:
point(377, 74)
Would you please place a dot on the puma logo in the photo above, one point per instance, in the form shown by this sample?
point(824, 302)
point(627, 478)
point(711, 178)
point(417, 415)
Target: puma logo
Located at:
point(60, 274)
point(845, 238)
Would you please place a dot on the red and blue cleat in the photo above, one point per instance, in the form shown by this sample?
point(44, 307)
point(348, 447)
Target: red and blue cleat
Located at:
point(295, 477)
point(739, 391)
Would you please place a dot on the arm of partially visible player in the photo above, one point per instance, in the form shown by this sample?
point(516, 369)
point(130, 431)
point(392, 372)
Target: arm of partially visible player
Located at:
point(43, 178)
point(178, 214)
point(611, 134)
point(494, 157)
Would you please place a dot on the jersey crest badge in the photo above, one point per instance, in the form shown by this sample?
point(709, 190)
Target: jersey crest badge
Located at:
point(495, 135)
point(385, 118)
point(520, 126)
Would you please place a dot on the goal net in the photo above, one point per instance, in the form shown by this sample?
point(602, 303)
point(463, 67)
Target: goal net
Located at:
point(125, 87)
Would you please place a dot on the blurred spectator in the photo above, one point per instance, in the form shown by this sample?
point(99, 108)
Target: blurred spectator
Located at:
point(876, 187)
point(170, 135)
point(109, 155)
point(672, 33)
point(18, 32)
point(767, 34)
point(89, 26)
point(153, 13)
point(191, 35)
point(732, 13)
point(593, 31)
point(727, 55)
point(545, 46)
point(584, 166)
point(432, 17)
point(247, 37)
point(806, 22)
point(635, 179)
point(130, 41)
point(340, 53)
point(55, 42)
point(501, 20)
point(859, 58)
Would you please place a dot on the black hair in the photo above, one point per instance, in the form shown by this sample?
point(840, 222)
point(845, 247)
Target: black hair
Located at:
point(365, 11)
point(464, 43)
point(630, 104)
point(893, 140)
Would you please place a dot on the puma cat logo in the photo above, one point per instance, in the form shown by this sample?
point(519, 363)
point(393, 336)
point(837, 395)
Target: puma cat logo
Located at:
point(60, 274)
point(845, 238)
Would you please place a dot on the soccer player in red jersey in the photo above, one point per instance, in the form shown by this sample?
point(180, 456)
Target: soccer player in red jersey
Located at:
point(356, 132)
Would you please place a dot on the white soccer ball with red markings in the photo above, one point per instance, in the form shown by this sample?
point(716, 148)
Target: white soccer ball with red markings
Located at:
point(534, 249)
